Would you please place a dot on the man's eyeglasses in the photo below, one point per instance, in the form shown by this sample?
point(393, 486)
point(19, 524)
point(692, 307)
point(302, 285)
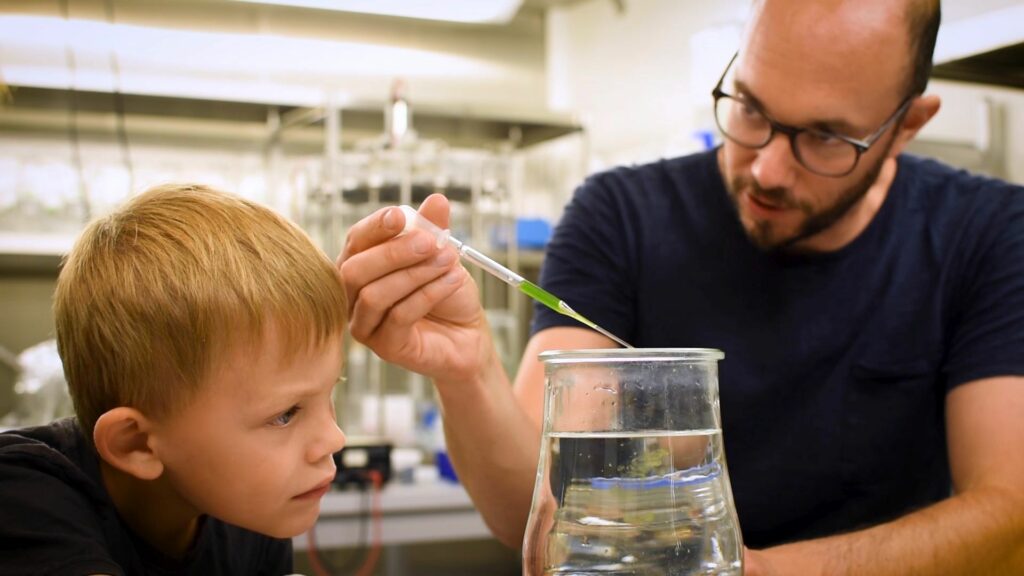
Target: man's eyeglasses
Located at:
point(820, 151)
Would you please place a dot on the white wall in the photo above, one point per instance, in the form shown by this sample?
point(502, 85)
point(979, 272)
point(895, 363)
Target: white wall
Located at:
point(629, 75)
point(978, 26)
point(961, 120)
point(641, 82)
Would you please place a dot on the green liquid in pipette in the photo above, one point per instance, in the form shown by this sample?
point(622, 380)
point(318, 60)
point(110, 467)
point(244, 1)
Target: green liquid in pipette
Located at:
point(551, 301)
point(546, 298)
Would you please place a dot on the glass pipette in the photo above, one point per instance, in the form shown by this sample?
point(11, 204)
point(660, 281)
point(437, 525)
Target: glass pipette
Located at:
point(413, 219)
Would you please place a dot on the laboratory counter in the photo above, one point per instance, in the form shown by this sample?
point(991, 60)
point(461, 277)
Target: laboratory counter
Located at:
point(427, 528)
point(428, 511)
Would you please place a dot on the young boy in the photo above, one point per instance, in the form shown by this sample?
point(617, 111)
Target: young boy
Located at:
point(201, 336)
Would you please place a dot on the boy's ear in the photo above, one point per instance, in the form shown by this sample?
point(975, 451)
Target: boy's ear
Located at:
point(122, 438)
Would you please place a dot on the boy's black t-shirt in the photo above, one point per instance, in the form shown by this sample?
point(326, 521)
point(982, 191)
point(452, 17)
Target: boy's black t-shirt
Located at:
point(836, 365)
point(57, 518)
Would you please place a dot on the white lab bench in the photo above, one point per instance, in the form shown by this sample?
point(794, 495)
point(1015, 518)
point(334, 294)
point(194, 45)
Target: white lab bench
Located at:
point(431, 511)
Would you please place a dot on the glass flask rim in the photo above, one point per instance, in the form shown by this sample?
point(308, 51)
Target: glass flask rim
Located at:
point(619, 355)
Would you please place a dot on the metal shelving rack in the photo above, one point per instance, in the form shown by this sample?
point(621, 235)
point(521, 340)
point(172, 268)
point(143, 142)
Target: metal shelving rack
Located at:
point(313, 167)
point(400, 168)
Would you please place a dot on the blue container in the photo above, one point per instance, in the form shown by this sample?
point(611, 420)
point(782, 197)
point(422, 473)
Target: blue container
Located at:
point(444, 466)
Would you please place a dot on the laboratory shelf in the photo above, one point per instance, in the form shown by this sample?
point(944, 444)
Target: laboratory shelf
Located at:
point(33, 253)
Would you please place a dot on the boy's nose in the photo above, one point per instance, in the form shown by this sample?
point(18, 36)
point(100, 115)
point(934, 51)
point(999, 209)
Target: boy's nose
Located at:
point(330, 439)
point(337, 439)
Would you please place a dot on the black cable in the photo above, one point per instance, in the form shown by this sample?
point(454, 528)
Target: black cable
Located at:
point(361, 549)
point(352, 562)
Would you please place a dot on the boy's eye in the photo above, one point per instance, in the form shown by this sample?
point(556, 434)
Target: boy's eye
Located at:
point(284, 418)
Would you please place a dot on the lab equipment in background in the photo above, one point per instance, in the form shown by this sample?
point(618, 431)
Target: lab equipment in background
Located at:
point(10, 368)
point(435, 445)
point(359, 458)
point(40, 197)
point(632, 476)
point(531, 233)
point(398, 116)
point(40, 391)
point(400, 167)
point(391, 415)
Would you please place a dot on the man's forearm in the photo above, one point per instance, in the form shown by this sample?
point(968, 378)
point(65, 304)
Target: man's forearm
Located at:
point(494, 448)
point(978, 532)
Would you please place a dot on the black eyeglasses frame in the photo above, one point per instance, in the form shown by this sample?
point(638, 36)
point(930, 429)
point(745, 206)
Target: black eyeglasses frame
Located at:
point(861, 145)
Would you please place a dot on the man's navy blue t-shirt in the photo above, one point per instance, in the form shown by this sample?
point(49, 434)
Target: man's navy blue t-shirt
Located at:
point(837, 365)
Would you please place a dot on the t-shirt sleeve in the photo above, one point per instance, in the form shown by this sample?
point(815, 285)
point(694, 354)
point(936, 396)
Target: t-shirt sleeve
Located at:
point(47, 527)
point(988, 335)
point(587, 264)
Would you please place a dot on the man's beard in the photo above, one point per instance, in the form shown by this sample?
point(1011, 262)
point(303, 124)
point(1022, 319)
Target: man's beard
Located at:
point(762, 233)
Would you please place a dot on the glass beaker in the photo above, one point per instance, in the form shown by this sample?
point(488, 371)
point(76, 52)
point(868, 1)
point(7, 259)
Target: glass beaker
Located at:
point(632, 476)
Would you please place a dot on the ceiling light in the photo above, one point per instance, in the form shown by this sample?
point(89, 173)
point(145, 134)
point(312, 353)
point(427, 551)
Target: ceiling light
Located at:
point(213, 65)
point(472, 11)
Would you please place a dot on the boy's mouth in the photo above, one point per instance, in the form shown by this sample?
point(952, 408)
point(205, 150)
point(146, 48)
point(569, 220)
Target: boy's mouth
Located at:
point(317, 491)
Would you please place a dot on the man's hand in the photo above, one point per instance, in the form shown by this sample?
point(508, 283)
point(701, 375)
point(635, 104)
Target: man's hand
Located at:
point(411, 301)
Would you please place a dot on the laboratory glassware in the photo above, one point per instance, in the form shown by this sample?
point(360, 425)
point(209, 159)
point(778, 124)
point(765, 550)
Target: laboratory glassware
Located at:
point(632, 477)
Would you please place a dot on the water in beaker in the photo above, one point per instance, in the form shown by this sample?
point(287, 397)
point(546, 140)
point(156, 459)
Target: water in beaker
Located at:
point(632, 477)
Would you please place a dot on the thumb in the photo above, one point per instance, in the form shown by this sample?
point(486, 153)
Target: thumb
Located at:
point(436, 209)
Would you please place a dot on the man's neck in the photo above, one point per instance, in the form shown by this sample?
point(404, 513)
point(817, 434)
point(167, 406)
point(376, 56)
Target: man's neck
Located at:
point(153, 510)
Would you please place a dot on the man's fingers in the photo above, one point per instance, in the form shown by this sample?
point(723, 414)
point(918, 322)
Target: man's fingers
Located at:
point(423, 301)
point(394, 280)
point(436, 209)
point(372, 230)
point(372, 264)
point(388, 222)
point(393, 335)
point(372, 301)
point(365, 266)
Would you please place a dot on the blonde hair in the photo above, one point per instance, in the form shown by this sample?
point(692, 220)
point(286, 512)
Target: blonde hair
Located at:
point(154, 293)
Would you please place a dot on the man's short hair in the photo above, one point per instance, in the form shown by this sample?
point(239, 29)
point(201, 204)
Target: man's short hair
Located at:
point(923, 19)
point(152, 295)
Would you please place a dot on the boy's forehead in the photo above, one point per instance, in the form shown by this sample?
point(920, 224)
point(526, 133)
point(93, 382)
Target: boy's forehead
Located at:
point(277, 345)
point(274, 366)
